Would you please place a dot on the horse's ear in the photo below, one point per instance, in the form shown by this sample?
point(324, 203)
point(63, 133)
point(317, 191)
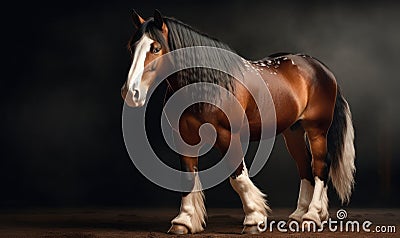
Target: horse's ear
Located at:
point(137, 20)
point(159, 22)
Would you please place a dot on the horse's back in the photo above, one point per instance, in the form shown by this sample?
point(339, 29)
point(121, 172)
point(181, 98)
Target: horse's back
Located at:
point(298, 82)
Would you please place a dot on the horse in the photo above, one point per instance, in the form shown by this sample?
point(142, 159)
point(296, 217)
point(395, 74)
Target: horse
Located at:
point(311, 113)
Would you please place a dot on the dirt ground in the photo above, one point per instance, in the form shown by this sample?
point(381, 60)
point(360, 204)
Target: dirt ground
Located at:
point(155, 222)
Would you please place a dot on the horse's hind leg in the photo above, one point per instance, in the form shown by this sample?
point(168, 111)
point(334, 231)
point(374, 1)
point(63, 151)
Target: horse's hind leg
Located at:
point(296, 145)
point(317, 135)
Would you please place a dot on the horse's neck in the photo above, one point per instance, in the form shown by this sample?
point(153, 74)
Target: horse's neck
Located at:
point(172, 86)
point(172, 83)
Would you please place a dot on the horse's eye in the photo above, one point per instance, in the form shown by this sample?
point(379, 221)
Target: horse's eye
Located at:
point(156, 50)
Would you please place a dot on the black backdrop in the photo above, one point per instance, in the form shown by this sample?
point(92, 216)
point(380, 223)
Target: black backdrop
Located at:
point(64, 63)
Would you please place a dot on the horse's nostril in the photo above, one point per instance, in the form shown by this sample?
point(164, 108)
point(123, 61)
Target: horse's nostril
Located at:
point(136, 94)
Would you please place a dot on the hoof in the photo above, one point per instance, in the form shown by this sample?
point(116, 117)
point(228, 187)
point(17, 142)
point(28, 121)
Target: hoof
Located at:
point(312, 217)
point(295, 219)
point(177, 229)
point(324, 216)
point(307, 227)
point(251, 230)
point(290, 220)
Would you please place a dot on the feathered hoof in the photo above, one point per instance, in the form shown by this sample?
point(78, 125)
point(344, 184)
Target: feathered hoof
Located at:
point(177, 229)
point(312, 217)
point(297, 218)
point(292, 219)
point(251, 230)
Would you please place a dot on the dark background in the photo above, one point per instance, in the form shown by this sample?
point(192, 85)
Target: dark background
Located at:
point(65, 62)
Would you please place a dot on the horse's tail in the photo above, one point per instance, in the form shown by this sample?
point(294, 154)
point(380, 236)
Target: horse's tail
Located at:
point(341, 149)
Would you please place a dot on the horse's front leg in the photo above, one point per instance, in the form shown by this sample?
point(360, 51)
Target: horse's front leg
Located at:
point(254, 204)
point(192, 214)
point(191, 217)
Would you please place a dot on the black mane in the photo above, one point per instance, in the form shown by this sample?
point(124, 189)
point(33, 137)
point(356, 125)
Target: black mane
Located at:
point(181, 35)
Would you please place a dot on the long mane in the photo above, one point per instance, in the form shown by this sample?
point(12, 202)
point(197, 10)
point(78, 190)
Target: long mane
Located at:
point(181, 35)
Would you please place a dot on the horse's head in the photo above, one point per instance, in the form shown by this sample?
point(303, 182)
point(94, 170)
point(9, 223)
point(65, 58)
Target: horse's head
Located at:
point(149, 42)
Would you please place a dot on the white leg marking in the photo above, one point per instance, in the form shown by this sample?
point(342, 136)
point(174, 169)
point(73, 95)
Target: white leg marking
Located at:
point(305, 196)
point(193, 212)
point(318, 209)
point(253, 200)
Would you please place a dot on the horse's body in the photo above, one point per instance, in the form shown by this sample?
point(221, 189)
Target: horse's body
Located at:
point(296, 76)
point(308, 106)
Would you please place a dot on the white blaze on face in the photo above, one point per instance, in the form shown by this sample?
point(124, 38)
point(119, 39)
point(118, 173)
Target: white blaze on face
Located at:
point(136, 71)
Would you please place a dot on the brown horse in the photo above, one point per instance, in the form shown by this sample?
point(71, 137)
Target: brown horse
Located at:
point(311, 113)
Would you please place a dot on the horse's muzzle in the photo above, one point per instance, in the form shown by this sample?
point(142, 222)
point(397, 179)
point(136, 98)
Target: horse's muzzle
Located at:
point(131, 98)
